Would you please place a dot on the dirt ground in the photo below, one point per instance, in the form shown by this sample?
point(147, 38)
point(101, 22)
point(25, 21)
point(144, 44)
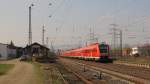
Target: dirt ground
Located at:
point(22, 73)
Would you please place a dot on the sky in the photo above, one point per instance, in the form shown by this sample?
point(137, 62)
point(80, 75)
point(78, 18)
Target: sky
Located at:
point(68, 22)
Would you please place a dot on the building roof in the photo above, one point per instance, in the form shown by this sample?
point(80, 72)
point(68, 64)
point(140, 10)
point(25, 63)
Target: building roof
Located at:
point(11, 46)
point(37, 44)
point(3, 44)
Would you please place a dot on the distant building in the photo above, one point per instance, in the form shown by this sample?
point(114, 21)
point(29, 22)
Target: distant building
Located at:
point(126, 51)
point(36, 50)
point(7, 51)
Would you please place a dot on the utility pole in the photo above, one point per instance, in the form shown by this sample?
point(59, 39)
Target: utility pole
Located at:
point(47, 42)
point(86, 43)
point(52, 48)
point(121, 53)
point(92, 36)
point(30, 30)
point(117, 34)
point(43, 33)
point(80, 42)
point(114, 35)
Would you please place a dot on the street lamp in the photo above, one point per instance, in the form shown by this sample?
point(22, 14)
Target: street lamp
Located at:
point(30, 30)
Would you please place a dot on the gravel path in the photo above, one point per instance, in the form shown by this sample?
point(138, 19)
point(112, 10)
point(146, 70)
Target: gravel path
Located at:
point(22, 73)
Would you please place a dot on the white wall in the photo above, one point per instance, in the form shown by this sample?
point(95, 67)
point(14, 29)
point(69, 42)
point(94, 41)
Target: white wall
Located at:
point(3, 51)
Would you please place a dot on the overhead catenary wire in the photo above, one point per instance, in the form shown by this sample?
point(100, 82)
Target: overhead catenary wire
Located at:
point(53, 13)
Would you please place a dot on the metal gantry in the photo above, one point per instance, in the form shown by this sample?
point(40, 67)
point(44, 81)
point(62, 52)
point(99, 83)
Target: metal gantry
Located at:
point(117, 34)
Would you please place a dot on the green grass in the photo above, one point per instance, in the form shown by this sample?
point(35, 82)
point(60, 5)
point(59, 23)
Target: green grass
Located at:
point(39, 72)
point(4, 68)
point(51, 76)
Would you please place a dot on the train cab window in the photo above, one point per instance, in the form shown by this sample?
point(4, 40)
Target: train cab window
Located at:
point(103, 48)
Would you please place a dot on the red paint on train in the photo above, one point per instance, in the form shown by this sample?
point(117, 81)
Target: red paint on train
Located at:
point(97, 51)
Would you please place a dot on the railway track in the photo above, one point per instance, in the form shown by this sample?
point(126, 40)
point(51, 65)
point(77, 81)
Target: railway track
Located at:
point(134, 74)
point(58, 72)
point(138, 72)
point(79, 76)
point(70, 76)
point(92, 74)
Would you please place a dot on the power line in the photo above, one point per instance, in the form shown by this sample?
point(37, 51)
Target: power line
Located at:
point(58, 7)
point(54, 11)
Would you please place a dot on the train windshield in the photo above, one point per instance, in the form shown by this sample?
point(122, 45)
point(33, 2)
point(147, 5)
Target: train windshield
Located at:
point(103, 48)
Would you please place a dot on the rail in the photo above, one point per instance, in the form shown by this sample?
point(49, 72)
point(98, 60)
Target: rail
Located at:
point(100, 71)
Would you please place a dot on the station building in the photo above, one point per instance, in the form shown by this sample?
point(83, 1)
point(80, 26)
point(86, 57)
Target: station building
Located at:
point(36, 50)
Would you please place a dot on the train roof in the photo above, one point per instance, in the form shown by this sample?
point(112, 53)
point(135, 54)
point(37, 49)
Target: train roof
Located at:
point(86, 47)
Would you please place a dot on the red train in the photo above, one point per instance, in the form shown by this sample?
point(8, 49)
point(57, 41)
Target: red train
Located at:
point(97, 52)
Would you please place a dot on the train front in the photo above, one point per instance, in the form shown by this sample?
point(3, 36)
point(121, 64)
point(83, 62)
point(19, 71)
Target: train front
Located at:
point(104, 53)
